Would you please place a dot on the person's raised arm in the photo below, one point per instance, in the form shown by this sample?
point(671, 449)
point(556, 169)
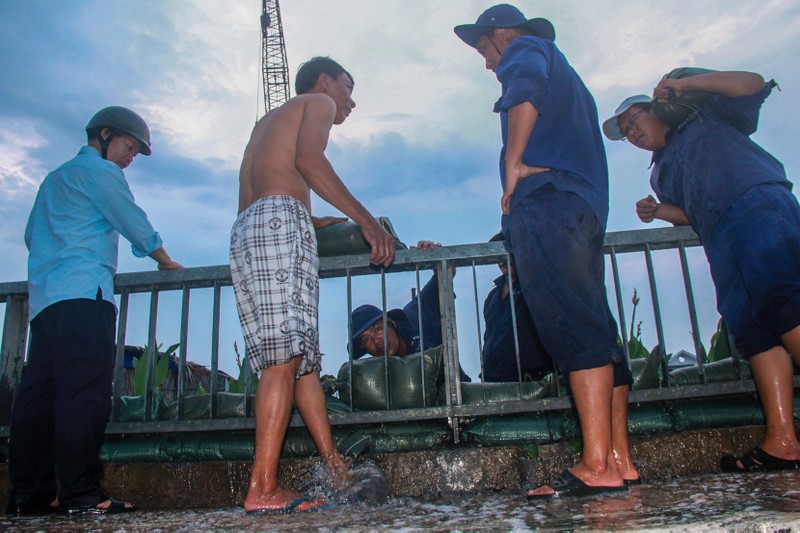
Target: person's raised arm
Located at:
point(521, 121)
point(310, 161)
point(730, 83)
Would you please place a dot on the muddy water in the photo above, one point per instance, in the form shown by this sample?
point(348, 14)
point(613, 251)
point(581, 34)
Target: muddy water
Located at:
point(752, 502)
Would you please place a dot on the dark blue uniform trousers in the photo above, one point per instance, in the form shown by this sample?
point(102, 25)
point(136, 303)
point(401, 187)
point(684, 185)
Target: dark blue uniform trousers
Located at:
point(64, 401)
point(558, 249)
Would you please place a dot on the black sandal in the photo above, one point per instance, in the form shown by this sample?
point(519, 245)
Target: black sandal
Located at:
point(115, 507)
point(756, 460)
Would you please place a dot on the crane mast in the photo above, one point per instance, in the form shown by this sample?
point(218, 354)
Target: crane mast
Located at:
point(275, 70)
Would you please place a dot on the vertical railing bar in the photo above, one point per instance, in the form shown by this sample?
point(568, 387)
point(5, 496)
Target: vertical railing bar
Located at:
point(450, 339)
point(215, 348)
point(620, 304)
point(119, 358)
point(152, 355)
point(350, 345)
point(662, 349)
point(514, 328)
point(248, 384)
point(385, 339)
point(421, 338)
point(182, 351)
point(13, 350)
point(687, 283)
point(736, 355)
point(478, 329)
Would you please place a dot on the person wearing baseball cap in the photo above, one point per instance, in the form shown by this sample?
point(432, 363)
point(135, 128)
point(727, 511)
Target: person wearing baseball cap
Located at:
point(708, 172)
point(554, 178)
point(401, 335)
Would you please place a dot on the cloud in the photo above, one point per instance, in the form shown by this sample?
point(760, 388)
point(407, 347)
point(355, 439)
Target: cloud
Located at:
point(19, 172)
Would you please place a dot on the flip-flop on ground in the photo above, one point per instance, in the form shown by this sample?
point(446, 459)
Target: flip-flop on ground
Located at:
point(756, 460)
point(569, 485)
point(294, 506)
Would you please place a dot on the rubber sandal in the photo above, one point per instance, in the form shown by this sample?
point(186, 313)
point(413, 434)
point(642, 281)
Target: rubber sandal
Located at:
point(291, 507)
point(756, 460)
point(115, 507)
point(568, 485)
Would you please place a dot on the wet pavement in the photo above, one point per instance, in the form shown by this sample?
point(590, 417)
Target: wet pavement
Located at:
point(714, 502)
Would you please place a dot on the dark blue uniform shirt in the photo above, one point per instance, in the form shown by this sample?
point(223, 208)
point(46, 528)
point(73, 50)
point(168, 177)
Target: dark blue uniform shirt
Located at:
point(566, 136)
point(710, 162)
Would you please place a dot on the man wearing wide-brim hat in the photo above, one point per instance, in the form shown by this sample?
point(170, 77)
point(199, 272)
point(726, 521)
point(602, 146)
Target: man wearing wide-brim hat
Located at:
point(555, 205)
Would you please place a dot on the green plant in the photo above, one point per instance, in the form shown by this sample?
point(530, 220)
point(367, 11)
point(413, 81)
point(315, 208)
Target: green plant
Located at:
point(238, 386)
point(160, 369)
point(720, 343)
point(636, 349)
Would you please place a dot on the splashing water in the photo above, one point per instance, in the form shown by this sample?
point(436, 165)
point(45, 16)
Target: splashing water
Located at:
point(367, 485)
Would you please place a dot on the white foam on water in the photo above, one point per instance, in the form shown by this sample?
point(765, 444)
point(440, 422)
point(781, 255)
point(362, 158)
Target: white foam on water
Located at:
point(752, 502)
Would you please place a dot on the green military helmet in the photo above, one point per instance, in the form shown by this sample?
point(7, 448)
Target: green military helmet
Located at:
point(125, 121)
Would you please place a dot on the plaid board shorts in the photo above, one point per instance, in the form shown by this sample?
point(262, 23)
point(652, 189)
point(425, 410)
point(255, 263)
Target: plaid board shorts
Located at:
point(275, 273)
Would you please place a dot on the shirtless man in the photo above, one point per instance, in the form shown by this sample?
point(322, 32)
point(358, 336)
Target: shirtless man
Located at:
point(274, 267)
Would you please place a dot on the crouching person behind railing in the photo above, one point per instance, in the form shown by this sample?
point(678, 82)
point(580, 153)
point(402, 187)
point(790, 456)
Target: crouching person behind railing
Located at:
point(501, 341)
point(402, 335)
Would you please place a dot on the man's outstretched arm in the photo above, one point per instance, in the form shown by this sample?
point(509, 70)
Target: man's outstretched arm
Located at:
point(310, 161)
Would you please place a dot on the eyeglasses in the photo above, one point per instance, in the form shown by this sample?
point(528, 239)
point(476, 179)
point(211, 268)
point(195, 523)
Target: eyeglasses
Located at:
point(633, 120)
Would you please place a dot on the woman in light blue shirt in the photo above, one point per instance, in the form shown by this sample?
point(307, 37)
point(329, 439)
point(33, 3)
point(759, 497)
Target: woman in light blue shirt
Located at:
point(64, 399)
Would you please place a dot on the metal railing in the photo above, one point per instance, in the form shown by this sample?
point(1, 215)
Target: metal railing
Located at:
point(442, 260)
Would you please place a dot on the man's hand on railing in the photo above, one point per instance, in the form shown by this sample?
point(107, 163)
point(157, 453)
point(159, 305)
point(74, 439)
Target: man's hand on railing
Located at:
point(426, 245)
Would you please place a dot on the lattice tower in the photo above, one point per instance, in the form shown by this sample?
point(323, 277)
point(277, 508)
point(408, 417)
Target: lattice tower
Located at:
point(275, 70)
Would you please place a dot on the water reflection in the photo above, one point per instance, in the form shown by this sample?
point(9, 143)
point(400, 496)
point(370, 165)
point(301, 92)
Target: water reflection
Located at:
point(713, 502)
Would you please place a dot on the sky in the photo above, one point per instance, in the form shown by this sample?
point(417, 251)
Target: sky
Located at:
point(421, 146)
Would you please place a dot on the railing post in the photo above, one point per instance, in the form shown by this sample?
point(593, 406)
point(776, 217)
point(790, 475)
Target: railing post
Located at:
point(450, 342)
point(662, 350)
point(152, 356)
point(215, 349)
point(119, 358)
point(12, 352)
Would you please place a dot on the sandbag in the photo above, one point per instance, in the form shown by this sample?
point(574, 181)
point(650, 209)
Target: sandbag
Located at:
point(678, 110)
point(473, 393)
point(715, 372)
point(405, 381)
point(345, 238)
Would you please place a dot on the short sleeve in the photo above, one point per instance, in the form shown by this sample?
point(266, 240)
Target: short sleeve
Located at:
point(741, 112)
point(523, 72)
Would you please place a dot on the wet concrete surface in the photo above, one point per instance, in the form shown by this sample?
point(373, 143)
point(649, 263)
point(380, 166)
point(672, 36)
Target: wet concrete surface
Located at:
point(710, 502)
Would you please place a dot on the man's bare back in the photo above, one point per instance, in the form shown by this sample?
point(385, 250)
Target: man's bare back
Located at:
point(269, 165)
point(286, 156)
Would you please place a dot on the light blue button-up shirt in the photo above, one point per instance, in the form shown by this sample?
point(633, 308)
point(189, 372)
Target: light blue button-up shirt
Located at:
point(73, 231)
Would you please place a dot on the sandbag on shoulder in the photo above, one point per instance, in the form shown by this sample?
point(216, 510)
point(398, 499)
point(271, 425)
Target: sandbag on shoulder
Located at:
point(679, 109)
point(345, 238)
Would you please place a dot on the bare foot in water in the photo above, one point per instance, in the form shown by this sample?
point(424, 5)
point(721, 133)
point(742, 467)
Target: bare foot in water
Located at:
point(278, 500)
point(340, 475)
